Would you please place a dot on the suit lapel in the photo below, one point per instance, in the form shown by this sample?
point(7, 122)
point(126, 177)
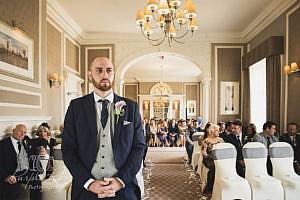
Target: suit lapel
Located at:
point(91, 114)
point(118, 122)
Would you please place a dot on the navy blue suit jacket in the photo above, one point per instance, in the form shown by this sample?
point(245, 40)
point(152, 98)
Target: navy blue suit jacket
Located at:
point(79, 144)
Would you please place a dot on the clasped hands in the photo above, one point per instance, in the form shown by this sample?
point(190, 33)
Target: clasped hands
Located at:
point(106, 187)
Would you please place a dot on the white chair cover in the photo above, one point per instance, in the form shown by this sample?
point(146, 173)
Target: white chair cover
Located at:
point(196, 154)
point(282, 157)
point(140, 180)
point(58, 185)
point(228, 184)
point(262, 185)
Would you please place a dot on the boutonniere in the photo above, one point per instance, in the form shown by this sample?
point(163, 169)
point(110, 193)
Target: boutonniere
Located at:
point(119, 109)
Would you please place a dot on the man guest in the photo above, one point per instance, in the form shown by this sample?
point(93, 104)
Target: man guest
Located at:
point(103, 142)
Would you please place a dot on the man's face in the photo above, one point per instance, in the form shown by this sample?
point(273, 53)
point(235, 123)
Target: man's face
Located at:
point(271, 131)
point(229, 128)
point(236, 129)
point(101, 74)
point(292, 129)
point(19, 132)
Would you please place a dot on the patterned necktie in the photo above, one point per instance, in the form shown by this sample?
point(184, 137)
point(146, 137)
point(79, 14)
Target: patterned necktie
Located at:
point(104, 112)
point(19, 146)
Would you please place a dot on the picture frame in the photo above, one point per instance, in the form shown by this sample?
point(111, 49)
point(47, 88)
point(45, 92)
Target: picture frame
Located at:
point(16, 52)
point(191, 106)
point(229, 98)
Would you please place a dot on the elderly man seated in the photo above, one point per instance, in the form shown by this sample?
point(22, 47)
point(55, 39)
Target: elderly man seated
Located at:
point(18, 167)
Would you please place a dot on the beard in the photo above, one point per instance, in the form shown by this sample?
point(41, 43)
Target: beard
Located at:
point(103, 85)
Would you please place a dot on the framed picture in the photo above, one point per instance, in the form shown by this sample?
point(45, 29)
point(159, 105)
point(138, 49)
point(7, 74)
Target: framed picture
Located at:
point(229, 98)
point(16, 52)
point(191, 107)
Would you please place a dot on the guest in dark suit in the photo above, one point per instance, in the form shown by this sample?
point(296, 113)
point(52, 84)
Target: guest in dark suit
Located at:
point(16, 168)
point(103, 142)
point(237, 139)
point(293, 139)
point(173, 133)
point(228, 131)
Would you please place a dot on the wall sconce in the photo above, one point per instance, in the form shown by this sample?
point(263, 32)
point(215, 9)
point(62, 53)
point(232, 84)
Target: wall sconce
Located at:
point(293, 68)
point(17, 27)
point(55, 80)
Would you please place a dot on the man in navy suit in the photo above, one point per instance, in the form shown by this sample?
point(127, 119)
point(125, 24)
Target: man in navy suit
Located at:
point(16, 168)
point(103, 142)
point(237, 139)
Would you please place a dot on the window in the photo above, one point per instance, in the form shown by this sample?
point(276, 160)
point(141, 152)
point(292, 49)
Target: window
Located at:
point(258, 98)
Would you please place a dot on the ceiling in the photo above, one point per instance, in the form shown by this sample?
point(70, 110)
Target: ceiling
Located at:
point(173, 67)
point(216, 16)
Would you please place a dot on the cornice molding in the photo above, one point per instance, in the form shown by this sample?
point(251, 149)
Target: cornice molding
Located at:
point(169, 79)
point(61, 17)
point(265, 18)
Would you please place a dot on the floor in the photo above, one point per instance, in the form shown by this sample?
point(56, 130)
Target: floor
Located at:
point(168, 177)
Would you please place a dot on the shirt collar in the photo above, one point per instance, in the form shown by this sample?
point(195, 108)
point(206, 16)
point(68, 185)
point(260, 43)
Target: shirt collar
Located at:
point(109, 97)
point(13, 140)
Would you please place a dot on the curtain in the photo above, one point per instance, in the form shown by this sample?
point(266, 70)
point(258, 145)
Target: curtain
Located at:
point(273, 89)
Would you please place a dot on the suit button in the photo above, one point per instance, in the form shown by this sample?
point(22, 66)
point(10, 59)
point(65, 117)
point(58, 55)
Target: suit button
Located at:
point(103, 146)
point(102, 156)
point(103, 135)
point(102, 167)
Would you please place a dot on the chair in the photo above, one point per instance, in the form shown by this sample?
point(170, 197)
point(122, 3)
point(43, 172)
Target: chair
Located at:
point(263, 186)
point(282, 157)
point(228, 184)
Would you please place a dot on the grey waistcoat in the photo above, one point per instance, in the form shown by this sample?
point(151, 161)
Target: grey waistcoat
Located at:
point(22, 160)
point(105, 166)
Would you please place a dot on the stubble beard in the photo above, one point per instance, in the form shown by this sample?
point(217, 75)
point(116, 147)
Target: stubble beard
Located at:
point(102, 86)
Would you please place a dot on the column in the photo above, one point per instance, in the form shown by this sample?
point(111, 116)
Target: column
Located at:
point(206, 99)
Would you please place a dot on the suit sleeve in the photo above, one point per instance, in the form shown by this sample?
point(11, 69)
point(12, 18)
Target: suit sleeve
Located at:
point(70, 149)
point(129, 170)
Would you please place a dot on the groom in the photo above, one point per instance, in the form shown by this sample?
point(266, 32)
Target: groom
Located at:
point(103, 142)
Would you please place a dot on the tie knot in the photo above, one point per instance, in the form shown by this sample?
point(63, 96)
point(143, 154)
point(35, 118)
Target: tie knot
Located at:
point(103, 101)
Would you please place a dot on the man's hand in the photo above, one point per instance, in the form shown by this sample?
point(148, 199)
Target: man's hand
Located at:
point(11, 179)
point(102, 188)
point(242, 163)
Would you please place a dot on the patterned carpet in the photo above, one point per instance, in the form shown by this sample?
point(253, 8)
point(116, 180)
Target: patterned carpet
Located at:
point(174, 181)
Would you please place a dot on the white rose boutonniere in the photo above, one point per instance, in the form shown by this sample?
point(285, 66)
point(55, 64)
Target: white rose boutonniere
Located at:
point(119, 109)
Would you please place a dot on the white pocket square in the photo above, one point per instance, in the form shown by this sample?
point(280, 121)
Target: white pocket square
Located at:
point(126, 123)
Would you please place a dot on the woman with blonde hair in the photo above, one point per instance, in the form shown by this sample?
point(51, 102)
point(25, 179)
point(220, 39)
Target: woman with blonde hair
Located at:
point(206, 150)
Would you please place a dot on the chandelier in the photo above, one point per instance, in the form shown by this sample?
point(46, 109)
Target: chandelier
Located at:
point(163, 20)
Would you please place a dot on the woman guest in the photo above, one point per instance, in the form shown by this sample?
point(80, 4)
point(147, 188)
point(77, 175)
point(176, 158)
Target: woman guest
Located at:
point(162, 133)
point(206, 150)
point(44, 141)
point(151, 132)
point(251, 131)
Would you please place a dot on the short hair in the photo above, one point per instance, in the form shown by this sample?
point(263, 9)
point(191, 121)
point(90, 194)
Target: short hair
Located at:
point(212, 128)
point(237, 123)
point(229, 123)
point(293, 124)
point(252, 126)
point(221, 123)
point(268, 124)
point(41, 128)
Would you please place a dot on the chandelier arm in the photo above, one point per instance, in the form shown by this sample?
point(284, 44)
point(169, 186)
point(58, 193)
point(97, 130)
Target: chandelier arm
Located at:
point(178, 41)
point(159, 43)
point(183, 35)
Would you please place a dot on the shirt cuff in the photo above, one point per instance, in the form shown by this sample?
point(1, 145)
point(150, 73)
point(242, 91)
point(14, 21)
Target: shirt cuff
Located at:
point(123, 185)
point(87, 184)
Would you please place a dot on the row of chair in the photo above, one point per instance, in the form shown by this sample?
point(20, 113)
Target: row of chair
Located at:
point(257, 185)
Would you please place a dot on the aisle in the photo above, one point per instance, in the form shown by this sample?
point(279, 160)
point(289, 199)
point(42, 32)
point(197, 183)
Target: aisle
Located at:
point(169, 181)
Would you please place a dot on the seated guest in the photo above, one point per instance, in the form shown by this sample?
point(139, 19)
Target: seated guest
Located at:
point(151, 132)
point(227, 131)
point(182, 131)
point(173, 133)
point(251, 131)
point(267, 137)
point(236, 138)
point(162, 133)
point(206, 150)
point(222, 127)
point(44, 141)
point(18, 167)
point(293, 139)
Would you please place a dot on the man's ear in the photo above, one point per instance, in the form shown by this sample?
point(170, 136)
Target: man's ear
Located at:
point(90, 75)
